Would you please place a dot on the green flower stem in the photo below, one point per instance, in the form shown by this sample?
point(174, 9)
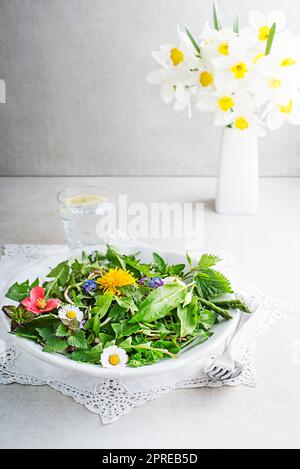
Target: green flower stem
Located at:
point(216, 309)
point(147, 347)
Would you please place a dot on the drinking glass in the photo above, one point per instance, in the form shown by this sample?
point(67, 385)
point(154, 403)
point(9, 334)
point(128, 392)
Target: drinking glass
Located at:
point(81, 209)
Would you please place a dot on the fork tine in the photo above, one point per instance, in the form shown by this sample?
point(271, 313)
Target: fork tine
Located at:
point(212, 368)
point(221, 373)
point(226, 375)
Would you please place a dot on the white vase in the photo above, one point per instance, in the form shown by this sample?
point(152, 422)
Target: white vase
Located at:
point(237, 190)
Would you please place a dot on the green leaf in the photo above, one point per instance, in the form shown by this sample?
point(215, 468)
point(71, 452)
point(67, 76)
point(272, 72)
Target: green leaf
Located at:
point(193, 40)
point(45, 332)
point(115, 257)
point(159, 263)
point(19, 291)
point(270, 39)
point(124, 328)
point(188, 318)
point(208, 260)
point(211, 283)
point(207, 318)
point(175, 269)
point(160, 302)
point(103, 303)
point(217, 24)
point(78, 340)
point(60, 275)
point(236, 26)
point(127, 303)
point(17, 314)
point(55, 344)
point(88, 356)
point(62, 331)
point(189, 259)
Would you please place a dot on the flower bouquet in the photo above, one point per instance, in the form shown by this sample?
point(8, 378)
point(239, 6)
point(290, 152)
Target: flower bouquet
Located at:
point(248, 78)
point(113, 310)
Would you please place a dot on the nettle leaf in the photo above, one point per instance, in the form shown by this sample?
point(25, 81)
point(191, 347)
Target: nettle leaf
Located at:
point(19, 291)
point(160, 302)
point(78, 340)
point(208, 260)
point(62, 331)
point(45, 332)
point(55, 344)
point(211, 283)
point(159, 263)
point(27, 333)
point(188, 318)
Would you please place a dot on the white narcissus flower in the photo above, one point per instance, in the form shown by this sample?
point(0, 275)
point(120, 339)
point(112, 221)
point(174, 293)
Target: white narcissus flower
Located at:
point(216, 43)
point(233, 70)
point(244, 119)
point(113, 357)
point(222, 102)
point(286, 109)
point(70, 313)
point(260, 27)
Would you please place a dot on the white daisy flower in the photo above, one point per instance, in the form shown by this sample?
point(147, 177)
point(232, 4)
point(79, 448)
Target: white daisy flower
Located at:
point(113, 356)
point(70, 312)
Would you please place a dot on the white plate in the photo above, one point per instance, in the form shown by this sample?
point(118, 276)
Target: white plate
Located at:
point(40, 269)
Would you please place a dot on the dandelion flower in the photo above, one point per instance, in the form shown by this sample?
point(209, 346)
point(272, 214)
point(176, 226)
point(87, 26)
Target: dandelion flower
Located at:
point(115, 278)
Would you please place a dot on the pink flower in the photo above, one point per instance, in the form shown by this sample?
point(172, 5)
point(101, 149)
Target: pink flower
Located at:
point(36, 302)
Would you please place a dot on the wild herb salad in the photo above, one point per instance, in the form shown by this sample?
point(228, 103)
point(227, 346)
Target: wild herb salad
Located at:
point(114, 310)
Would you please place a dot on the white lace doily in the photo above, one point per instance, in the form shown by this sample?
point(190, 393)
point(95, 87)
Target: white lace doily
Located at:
point(112, 398)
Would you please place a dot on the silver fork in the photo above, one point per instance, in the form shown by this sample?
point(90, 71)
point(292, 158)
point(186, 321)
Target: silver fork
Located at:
point(224, 367)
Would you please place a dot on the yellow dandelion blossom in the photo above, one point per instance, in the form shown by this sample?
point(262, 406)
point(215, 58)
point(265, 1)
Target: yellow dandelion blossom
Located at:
point(115, 278)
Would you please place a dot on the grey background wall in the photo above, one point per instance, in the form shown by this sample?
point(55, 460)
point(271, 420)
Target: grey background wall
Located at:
point(78, 102)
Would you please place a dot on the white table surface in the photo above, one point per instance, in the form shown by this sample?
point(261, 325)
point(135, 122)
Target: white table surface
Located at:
point(267, 253)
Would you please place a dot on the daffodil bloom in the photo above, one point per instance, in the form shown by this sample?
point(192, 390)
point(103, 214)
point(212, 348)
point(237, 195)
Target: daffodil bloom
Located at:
point(113, 357)
point(260, 27)
point(286, 109)
point(70, 313)
point(114, 279)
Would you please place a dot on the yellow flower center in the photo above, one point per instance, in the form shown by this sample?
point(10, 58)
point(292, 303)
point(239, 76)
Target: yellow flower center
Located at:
point(41, 303)
point(225, 103)
point(115, 278)
point(275, 83)
point(223, 48)
point(239, 70)
point(176, 56)
point(288, 62)
point(241, 123)
point(286, 109)
point(206, 79)
point(114, 359)
point(71, 314)
point(263, 33)
point(258, 57)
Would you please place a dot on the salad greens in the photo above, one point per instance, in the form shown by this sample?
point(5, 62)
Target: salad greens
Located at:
point(151, 310)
